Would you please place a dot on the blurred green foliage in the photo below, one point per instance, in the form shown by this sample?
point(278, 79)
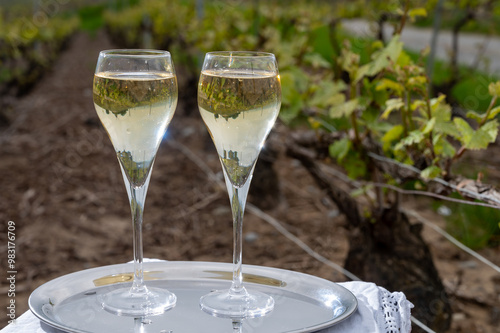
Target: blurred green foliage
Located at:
point(474, 226)
point(91, 18)
point(365, 88)
point(30, 42)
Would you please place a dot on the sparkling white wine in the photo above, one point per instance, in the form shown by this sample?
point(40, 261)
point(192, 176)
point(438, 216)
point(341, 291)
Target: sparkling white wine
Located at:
point(135, 108)
point(239, 110)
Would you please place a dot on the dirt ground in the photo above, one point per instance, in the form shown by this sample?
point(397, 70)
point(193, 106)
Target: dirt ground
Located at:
point(61, 185)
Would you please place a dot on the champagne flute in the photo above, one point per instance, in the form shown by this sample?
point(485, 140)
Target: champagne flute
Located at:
point(239, 97)
point(135, 96)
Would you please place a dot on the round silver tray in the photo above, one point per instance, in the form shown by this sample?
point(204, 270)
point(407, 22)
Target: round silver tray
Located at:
point(303, 303)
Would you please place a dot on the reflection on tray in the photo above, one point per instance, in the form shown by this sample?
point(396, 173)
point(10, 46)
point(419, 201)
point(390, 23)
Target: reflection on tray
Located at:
point(158, 275)
point(222, 275)
point(124, 277)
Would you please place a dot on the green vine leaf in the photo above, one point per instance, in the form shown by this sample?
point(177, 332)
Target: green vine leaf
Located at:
point(385, 83)
point(316, 60)
point(391, 105)
point(431, 172)
point(491, 129)
point(339, 149)
point(348, 158)
point(414, 137)
point(381, 59)
point(447, 127)
point(480, 117)
point(349, 61)
point(355, 165)
point(293, 84)
point(429, 126)
point(379, 96)
point(417, 12)
point(404, 59)
point(328, 93)
point(479, 139)
point(494, 88)
point(417, 81)
point(474, 115)
point(442, 113)
point(417, 104)
point(465, 130)
point(291, 109)
point(437, 103)
point(493, 113)
point(392, 135)
point(442, 146)
point(344, 110)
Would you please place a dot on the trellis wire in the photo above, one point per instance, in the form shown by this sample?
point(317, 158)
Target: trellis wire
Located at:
point(438, 180)
point(421, 218)
point(421, 325)
point(279, 227)
point(360, 184)
point(451, 239)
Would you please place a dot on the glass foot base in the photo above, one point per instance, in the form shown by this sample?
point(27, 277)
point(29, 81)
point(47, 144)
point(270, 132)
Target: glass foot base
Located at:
point(227, 304)
point(123, 302)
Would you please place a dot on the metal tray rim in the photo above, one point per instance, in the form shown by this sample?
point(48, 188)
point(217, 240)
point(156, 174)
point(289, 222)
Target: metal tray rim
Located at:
point(186, 269)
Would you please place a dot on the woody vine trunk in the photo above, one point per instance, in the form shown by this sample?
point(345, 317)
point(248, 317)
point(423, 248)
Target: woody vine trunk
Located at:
point(386, 249)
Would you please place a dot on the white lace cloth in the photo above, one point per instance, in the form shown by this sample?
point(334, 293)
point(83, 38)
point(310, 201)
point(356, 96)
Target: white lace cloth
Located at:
point(379, 311)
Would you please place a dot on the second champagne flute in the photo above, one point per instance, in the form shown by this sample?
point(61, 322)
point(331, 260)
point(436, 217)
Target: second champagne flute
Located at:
point(239, 97)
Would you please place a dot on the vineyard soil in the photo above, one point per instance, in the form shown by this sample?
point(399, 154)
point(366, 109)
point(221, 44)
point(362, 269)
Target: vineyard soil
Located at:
point(62, 187)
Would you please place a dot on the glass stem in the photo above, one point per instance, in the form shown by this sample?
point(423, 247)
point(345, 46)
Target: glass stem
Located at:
point(238, 198)
point(137, 197)
point(137, 208)
point(237, 326)
point(238, 210)
point(139, 325)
